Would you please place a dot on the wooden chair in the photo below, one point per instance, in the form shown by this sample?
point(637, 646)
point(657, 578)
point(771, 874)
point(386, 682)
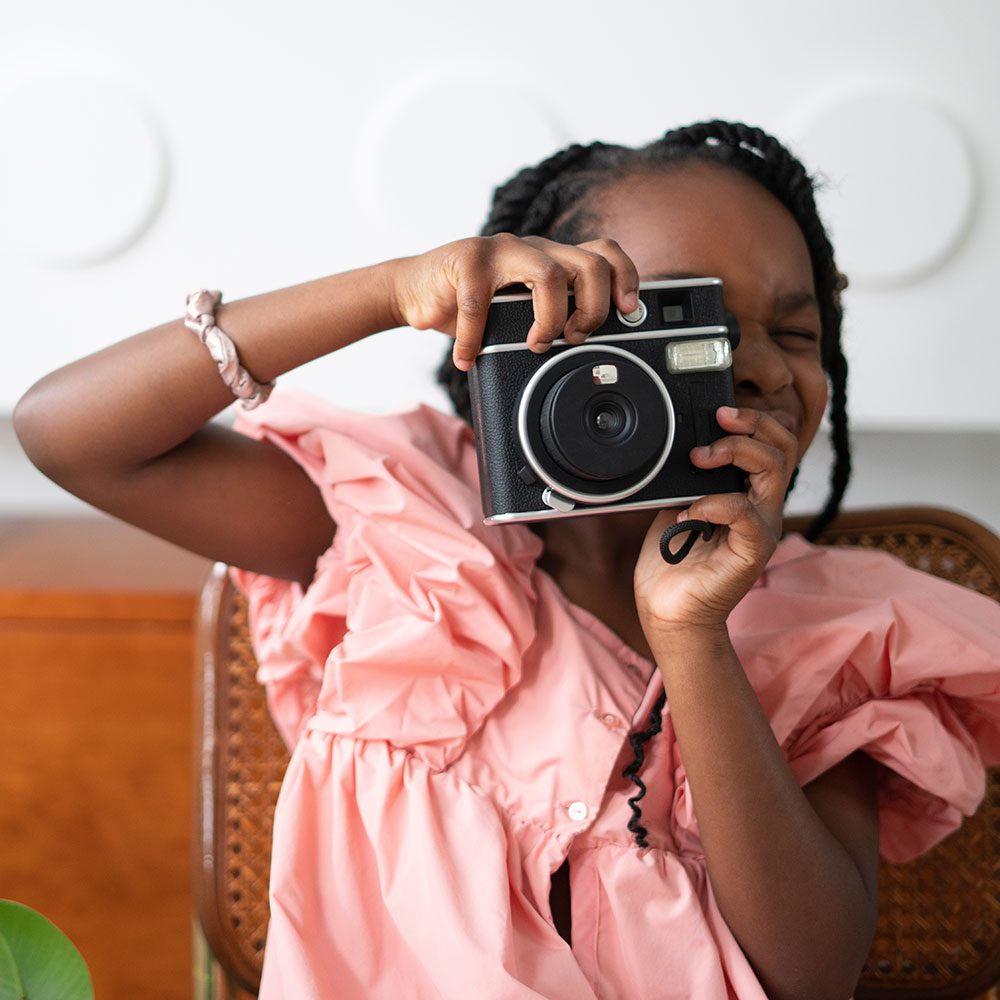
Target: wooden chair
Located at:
point(939, 924)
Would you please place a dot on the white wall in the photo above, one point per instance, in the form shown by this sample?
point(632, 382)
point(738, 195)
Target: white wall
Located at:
point(151, 149)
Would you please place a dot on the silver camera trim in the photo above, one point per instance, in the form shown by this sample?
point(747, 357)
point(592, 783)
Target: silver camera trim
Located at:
point(547, 513)
point(643, 285)
point(522, 427)
point(685, 333)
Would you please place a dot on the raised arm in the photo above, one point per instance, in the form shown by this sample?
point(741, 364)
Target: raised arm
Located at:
point(794, 871)
point(127, 428)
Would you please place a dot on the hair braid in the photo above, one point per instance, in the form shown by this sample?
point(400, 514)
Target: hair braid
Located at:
point(527, 204)
point(552, 200)
point(764, 158)
point(524, 205)
point(841, 473)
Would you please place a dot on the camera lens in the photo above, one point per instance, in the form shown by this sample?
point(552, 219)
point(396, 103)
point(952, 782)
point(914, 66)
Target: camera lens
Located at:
point(607, 418)
point(599, 434)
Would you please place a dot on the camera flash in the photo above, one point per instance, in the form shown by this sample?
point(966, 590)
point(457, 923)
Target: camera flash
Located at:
point(699, 355)
point(604, 374)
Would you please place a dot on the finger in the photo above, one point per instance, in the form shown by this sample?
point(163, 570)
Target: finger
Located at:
point(522, 259)
point(590, 274)
point(624, 274)
point(756, 458)
point(766, 466)
point(759, 425)
point(750, 535)
point(599, 272)
point(473, 294)
point(500, 260)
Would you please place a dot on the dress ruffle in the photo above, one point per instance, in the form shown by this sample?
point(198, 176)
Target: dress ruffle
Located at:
point(851, 649)
point(399, 868)
point(416, 621)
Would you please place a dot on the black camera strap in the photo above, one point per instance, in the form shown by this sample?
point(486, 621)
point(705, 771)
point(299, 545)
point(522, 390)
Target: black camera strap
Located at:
point(695, 528)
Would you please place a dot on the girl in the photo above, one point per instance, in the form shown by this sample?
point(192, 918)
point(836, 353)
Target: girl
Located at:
point(460, 817)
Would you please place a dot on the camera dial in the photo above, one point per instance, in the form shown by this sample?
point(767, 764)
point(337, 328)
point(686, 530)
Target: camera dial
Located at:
point(636, 317)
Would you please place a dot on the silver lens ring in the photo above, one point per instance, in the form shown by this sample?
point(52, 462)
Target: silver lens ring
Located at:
point(548, 478)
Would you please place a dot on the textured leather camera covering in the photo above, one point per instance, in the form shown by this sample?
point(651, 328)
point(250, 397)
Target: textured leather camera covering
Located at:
point(496, 384)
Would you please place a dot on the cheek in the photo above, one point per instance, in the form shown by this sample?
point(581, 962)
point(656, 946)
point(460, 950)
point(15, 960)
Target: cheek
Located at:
point(814, 391)
point(817, 393)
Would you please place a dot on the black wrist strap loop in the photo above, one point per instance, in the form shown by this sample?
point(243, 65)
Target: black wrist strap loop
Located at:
point(705, 528)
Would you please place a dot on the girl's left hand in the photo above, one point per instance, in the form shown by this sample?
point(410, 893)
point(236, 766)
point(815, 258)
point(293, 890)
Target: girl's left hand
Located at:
point(700, 592)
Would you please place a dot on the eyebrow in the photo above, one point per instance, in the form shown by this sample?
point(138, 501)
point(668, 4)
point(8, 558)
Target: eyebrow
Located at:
point(790, 302)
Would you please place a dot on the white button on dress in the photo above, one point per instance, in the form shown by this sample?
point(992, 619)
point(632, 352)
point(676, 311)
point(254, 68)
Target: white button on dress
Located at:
point(578, 811)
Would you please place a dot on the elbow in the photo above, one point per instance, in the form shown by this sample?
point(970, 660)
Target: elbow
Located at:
point(28, 426)
point(37, 428)
point(842, 981)
point(33, 434)
point(833, 971)
point(858, 956)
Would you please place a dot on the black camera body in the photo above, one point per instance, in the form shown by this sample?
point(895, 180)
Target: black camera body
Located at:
point(606, 425)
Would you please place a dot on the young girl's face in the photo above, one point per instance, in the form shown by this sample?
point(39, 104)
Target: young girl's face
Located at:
point(701, 220)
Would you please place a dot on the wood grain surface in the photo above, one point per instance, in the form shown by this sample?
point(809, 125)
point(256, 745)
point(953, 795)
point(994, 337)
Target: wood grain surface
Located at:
point(96, 648)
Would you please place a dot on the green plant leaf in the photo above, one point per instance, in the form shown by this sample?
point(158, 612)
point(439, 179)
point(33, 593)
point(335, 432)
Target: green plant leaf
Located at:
point(11, 987)
point(48, 963)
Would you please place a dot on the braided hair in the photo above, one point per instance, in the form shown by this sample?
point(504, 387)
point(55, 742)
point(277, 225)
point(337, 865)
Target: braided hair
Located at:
point(556, 199)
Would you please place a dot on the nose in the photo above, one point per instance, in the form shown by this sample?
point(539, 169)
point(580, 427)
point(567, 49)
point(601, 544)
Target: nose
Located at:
point(759, 365)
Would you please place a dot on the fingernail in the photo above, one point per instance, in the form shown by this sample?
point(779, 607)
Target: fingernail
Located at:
point(631, 301)
point(729, 411)
point(702, 451)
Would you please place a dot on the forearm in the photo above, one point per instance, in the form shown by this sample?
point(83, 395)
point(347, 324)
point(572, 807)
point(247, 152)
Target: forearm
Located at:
point(137, 399)
point(788, 890)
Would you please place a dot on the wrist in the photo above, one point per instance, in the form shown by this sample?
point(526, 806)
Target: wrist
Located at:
point(387, 273)
point(687, 640)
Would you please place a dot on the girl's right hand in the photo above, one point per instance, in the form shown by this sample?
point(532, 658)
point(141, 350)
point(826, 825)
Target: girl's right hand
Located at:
point(450, 288)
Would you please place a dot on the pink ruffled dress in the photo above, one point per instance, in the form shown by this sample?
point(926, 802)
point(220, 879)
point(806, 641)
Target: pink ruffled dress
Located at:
point(459, 728)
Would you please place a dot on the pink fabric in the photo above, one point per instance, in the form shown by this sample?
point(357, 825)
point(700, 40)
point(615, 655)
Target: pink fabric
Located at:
point(447, 705)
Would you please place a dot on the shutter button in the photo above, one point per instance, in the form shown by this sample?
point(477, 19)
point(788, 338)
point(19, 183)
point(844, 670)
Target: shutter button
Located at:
point(578, 811)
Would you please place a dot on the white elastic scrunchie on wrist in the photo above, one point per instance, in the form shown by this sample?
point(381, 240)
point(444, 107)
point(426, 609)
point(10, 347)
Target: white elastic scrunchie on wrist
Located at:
point(201, 319)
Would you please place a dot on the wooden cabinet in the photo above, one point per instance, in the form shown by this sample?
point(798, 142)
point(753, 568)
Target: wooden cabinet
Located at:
point(96, 757)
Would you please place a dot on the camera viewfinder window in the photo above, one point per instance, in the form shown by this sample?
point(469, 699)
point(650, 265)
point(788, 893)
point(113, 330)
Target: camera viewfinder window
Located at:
point(674, 308)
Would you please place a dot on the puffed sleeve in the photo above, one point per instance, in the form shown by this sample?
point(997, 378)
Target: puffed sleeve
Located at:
point(851, 649)
point(414, 625)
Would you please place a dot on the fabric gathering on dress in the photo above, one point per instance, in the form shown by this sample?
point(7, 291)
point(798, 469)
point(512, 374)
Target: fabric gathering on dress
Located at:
point(459, 728)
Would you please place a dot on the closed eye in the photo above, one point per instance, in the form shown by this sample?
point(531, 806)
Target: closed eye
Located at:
point(797, 337)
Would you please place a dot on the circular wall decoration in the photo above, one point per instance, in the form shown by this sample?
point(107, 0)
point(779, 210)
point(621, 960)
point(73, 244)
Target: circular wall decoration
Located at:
point(85, 170)
point(899, 179)
point(436, 148)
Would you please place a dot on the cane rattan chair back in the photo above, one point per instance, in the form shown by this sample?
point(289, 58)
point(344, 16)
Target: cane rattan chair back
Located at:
point(939, 919)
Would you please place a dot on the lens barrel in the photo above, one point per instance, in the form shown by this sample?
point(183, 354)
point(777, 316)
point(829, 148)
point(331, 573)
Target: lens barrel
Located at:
point(600, 433)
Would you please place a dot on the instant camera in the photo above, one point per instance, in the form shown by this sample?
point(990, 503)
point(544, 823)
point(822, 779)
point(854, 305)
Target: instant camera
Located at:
point(606, 425)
